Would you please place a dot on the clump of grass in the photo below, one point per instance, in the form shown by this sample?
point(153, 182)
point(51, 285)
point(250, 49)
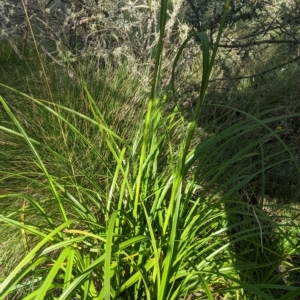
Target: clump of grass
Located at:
point(273, 95)
point(117, 95)
point(106, 214)
point(220, 241)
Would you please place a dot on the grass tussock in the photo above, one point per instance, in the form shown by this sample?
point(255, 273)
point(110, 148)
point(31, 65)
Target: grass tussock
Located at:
point(105, 195)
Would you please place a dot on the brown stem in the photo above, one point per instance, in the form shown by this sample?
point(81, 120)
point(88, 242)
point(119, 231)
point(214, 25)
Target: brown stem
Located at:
point(24, 43)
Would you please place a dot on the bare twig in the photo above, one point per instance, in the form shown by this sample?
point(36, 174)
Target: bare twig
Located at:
point(258, 74)
point(256, 43)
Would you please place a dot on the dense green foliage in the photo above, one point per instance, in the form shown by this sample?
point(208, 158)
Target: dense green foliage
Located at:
point(116, 184)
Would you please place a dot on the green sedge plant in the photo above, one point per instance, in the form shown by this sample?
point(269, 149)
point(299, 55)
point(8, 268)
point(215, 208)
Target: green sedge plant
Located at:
point(164, 221)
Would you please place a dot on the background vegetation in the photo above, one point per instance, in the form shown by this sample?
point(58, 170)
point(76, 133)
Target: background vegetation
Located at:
point(140, 162)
